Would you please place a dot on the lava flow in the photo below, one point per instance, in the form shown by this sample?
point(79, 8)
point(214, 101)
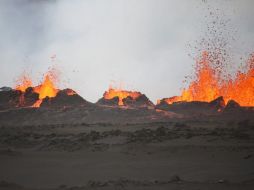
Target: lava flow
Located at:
point(121, 94)
point(208, 84)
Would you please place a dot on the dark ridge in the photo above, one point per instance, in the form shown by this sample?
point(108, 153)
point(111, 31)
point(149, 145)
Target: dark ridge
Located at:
point(66, 97)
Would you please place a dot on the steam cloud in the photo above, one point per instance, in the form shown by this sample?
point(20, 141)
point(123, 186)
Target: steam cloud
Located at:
point(143, 44)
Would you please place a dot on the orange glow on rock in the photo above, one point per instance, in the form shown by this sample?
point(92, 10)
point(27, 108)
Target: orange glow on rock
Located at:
point(121, 94)
point(46, 89)
point(23, 83)
point(70, 92)
point(37, 104)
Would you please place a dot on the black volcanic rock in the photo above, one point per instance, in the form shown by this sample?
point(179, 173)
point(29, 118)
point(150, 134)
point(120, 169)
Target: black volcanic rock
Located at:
point(110, 102)
point(194, 107)
point(232, 105)
point(141, 101)
point(5, 98)
point(218, 103)
point(30, 97)
point(10, 99)
point(163, 105)
point(66, 97)
point(5, 88)
point(16, 98)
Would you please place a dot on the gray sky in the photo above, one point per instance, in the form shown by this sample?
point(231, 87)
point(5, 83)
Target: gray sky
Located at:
point(142, 44)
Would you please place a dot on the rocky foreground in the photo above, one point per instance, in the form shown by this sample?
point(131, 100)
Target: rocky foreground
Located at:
point(69, 143)
point(189, 154)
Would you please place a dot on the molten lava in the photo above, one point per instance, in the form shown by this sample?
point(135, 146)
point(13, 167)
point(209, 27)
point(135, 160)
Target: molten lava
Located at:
point(46, 89)
point(241, 89)
point(208, 84)
point(121, 94)
point(23, 83)
point(37, 104)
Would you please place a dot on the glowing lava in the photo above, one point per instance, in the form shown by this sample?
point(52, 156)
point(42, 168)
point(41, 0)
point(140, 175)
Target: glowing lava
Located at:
point(241, 89)
point(208, 85)
point(121, 94)
point(23, 82)
point(46, 89)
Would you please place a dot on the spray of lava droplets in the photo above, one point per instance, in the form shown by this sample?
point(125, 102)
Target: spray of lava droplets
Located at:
point(47, 88)
point(211, 78)
point(23, 82)
point(208, 86)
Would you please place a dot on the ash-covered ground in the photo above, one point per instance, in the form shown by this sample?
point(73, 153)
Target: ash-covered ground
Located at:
point(98, 147)
point(69, 143)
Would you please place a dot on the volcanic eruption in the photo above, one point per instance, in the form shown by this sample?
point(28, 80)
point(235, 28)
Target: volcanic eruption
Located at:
point(23, 82)
point(120, 97)
point(45, 94)
point(207, 85)
point(46, 89)
point(121, 94)
point(213, 75)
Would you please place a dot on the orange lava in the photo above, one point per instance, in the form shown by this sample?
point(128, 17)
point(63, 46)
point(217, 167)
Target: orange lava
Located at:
point(46, 89)
point(37, 104)
point(121, 94)
point(23, 83)
point(241, 89)
point(208, 85)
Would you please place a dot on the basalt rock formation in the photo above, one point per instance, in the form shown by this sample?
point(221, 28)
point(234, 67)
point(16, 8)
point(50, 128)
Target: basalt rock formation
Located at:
point(138, 102)
point(194, 107)
point(64, 98)
point(13, 99)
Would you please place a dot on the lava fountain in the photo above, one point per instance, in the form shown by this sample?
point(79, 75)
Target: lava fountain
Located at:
point(47, 88)
point(207, 84)
point(121, 94)
point(23, 82)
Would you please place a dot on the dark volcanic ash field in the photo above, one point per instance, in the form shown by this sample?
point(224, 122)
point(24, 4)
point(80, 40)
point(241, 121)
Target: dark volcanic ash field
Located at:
point(69, 143)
